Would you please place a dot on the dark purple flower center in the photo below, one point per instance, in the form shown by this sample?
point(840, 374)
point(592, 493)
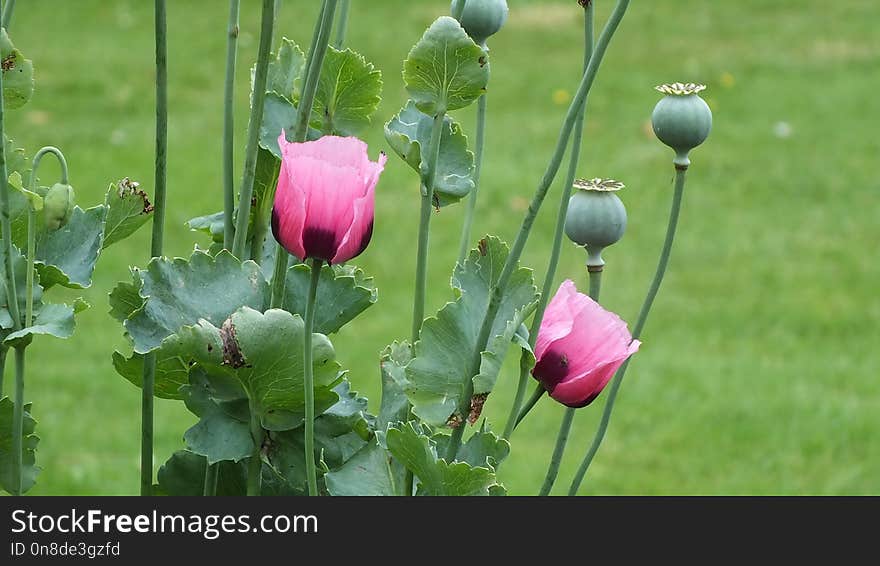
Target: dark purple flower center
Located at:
point(319, 243)
point(551, 369)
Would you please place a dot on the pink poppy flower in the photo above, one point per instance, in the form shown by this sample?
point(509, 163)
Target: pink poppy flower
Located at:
point(579, 347)
point(324, 202)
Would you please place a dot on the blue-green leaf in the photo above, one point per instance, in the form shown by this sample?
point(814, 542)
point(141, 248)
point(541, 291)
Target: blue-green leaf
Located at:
point(344, 291)
point(128, 208)
point(28, 446)
point(349, 91)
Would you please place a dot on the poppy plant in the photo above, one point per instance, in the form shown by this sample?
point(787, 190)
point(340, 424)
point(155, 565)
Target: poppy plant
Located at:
point(579, 347)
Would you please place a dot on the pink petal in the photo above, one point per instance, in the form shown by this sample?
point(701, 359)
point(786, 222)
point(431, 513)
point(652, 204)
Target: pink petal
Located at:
point(559, 316)
point(358, 235)
point(289, 213)
point(346, 152)
point(580, 391)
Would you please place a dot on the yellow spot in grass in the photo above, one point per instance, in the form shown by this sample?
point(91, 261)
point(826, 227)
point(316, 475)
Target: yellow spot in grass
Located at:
point(561, 97)
point(727, 80)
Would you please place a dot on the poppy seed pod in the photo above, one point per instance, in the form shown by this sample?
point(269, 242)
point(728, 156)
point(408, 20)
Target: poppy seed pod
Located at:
point(482, 19)
point(682, 120)
point(58, 205)
point(596, 217)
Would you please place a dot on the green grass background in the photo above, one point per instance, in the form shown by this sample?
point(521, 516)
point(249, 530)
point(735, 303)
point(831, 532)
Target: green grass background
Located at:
point(759, 369)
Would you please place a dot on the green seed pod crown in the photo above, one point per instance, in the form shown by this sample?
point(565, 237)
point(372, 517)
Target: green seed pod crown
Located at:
point(682, 120)
point(482, 19)
point(58, 205)
point(596, 217)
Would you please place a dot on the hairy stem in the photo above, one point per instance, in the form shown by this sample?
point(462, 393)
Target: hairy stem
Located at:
point(18, 422)
point(479, 143)
point(258, 99)
point(149, 374)
point(342, 24)
point(547, 289)
point(309, 381)
point(229, 126)
point(428, 177)
point(4, 350)
point(255, 462)
point(314, 63)
point(680, 172)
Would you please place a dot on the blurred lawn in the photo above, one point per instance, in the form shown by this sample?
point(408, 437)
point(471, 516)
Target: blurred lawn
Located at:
point(759, 370)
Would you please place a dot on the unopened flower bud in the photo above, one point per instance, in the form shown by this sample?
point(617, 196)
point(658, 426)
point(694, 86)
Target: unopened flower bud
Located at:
point(58, 205)
point(682, 120)
point(596, 217)
point(482, 19)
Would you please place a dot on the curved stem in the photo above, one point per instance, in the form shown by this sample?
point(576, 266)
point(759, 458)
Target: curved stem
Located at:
point(18, 422)
point(466, 230)
point(342, 24)
point(258, 99)
point(458, 8)
point(525, 359)
point(568, 417)
point(313, 71)
point(530, 404)
point(149, 374)
point(309, 382)
point(255, 462)
point(229, 126)
point(427, 208)
point(211, 472)
point(680, 172)
point(7, 14)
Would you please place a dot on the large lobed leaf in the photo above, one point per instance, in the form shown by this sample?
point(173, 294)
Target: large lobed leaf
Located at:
point(344, 291)
point(67, 256)
point(181, 292)
point(128, 208)
point(29, 447)
point(410, 130)
point(349, 91)
point(439, 373)
point(445, 70)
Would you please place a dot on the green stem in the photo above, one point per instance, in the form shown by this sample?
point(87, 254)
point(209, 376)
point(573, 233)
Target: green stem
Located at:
point(342, 24)
point(316, 32)
point(533, 400)
point(313, 65)
point(680, 173)
point(211, 472)
point(18, 422)
point(258, 99)
point(255, 462)
point(6, 228)
point(229, 126)
point(7, 14)
point(547, 289)
point(428, 177)
point(466, 230)
point(4, 350)
point(149, 375)
point(568, 417)
point(32, 226)
point(309, 381)
point(458, 8)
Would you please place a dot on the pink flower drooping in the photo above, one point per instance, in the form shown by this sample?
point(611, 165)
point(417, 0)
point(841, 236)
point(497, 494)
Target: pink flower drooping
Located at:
point(579, 347)
point(324, 202)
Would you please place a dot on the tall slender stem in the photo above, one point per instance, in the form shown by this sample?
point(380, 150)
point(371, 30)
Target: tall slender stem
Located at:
point(537, 394)
point(314, 63)
point(4, 350)
point(255, 462)
point(149, 374)
point(479, 143)
point(680, 173)
point(6, 229)
point(309, 382)
point(547, 289)
point(7, 14)
point(342, 24)
point(18, 421)
point(428, 177)
point(258, 99)
point(568, 417)
point(211, 473)
point(229, 126)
